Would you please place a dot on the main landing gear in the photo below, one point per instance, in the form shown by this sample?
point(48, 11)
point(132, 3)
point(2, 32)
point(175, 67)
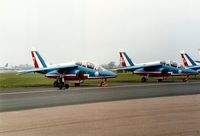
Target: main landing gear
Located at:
point(144, 79)
point(103, 83)
point(186, 78)
point(60, 83)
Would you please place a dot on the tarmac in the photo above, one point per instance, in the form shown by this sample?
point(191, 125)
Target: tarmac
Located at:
point(162, 116)
point(153, 109)
point(13, 99)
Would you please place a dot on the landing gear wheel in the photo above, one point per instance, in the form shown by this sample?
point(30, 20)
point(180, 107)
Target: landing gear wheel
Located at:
point(144, 79)
point(61, 85)
point(159, 80)
point(66, 86)
point(185, 80)
point(55, 84)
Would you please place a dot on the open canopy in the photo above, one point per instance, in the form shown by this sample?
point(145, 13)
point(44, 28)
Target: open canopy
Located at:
point(90, 65)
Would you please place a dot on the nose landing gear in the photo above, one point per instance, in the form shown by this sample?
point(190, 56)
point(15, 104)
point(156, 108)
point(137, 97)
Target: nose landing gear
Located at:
point(186, 78)
point(103, 83)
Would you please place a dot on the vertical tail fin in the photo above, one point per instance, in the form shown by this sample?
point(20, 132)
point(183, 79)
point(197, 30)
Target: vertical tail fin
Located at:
point(6, 65)
point(37, 59)
point(187, 60)
point(125, 60)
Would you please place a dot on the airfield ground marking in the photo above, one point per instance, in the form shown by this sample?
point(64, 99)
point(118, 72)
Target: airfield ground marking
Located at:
point(91, 88)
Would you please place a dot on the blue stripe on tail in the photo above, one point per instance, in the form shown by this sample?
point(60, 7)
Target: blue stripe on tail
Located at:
point(190, 59)
point(41, 59)
point(129, 60)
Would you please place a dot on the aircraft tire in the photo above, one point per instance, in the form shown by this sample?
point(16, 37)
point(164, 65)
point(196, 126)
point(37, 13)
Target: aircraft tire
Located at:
point(56, 84)
point(66, 86)
point(61, 85)
point(185, 80)
point(144, 79)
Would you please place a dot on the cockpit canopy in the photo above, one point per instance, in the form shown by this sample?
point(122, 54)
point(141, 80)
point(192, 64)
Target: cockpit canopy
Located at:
point(90, 65)
point(172, 64)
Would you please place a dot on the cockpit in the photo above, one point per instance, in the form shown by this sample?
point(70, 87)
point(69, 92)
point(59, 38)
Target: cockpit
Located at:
point(90, 65)
point(172, 64)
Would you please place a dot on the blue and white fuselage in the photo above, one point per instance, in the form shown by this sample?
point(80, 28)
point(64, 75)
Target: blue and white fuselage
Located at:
point(158, 69)
point(69, 71)
point(90, 71)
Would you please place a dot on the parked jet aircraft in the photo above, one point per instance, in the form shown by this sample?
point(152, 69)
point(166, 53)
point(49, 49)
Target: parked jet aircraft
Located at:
point(189, 62)
point(7, 67)
point(4, 67)
point(160, 70)
point(77, 71)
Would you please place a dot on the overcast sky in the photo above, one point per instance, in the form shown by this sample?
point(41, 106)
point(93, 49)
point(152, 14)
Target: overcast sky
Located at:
point(73, 30)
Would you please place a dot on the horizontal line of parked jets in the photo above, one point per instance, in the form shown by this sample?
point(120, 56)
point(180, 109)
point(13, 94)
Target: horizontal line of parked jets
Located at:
point(77, 72)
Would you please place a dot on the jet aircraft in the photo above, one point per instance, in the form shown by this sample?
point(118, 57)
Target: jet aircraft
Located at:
point(76, 71)
point(159, 70)
point(7, 67)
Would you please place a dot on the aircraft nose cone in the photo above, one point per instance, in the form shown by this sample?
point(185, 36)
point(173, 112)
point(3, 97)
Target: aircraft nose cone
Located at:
point(109, 74)
point(113, 74)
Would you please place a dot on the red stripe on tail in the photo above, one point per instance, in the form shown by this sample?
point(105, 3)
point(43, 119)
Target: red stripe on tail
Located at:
point(184, 60)
point(123, 63)
point(34, 60)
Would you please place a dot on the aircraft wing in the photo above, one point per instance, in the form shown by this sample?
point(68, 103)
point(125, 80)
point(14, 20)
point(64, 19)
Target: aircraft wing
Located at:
point(133, 68)
point(60, 69)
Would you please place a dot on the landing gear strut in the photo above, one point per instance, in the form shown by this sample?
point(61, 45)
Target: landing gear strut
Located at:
point(103, 83)
point(60, 83)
